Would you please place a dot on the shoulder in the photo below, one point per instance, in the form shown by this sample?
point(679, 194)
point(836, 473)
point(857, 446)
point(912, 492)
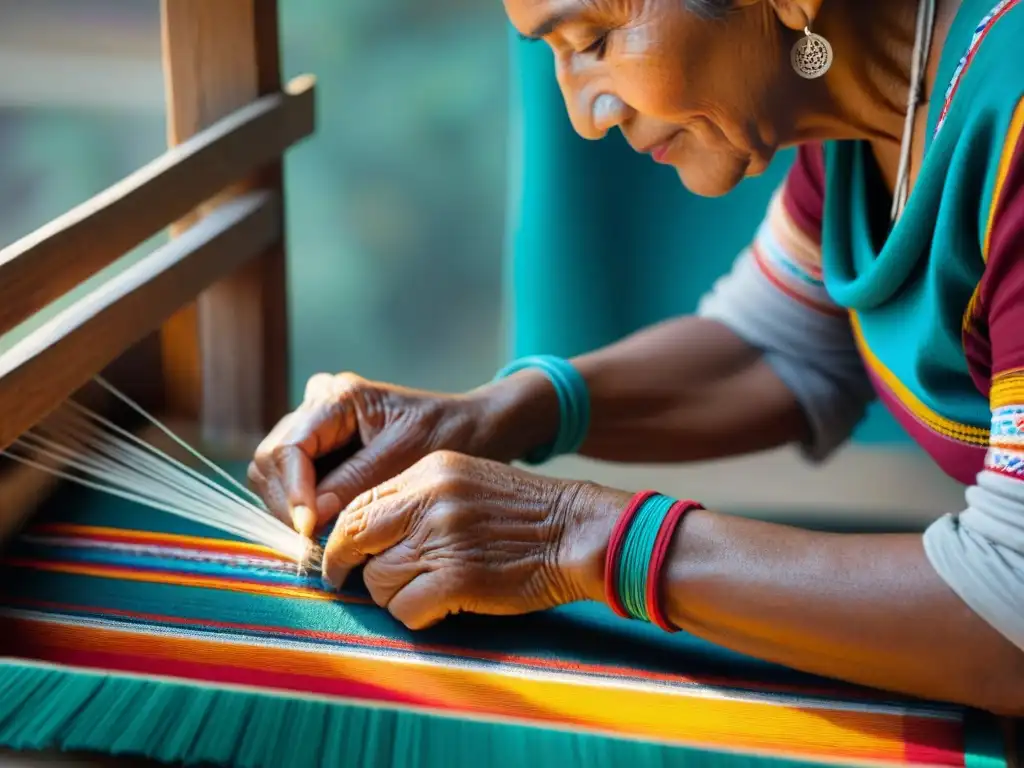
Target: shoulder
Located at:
point(981, 75)
point(978, 112)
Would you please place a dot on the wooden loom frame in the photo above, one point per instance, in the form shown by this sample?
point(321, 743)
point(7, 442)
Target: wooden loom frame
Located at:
point(202, 320)
point(197, 329)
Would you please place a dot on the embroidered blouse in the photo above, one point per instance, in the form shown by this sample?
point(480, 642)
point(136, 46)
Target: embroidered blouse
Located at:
point(927, 315)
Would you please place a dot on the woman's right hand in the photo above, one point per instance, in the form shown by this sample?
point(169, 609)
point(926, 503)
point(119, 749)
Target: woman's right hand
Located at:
point(395, 427)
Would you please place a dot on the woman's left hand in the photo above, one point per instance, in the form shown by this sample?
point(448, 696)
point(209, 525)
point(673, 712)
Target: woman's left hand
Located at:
point(456, 534)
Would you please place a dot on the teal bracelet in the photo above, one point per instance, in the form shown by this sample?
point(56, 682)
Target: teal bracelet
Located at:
point(573, 403)
point(636, 552)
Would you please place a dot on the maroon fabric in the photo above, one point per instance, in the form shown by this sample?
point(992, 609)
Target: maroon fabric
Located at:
point(805, 190)
point(999, 313)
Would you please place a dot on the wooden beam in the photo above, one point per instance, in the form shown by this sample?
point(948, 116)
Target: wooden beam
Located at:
point(51, 363)
point(49, 262)
point(226, 360)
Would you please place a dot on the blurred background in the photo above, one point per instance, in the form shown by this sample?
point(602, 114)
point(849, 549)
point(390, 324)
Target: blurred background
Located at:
point(403, 185)
point(442, 219)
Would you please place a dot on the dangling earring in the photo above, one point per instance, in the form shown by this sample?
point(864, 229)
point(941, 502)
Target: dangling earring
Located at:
point(811, 56)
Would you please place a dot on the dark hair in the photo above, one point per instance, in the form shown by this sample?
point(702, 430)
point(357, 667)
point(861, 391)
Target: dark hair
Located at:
point(709, 9)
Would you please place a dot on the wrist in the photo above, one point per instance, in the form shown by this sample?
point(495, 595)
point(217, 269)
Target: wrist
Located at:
point(588, 514)
point(514, 416)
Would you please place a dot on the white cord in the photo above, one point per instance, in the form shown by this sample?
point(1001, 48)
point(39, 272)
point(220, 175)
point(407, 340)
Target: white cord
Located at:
point(79, 445)
point(922, 51)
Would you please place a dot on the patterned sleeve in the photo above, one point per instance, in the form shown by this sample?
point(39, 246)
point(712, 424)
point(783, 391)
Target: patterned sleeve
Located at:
point(980, 552)
point(774, 298)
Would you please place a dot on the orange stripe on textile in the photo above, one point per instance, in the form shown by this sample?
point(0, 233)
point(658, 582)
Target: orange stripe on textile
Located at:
point(702, 718)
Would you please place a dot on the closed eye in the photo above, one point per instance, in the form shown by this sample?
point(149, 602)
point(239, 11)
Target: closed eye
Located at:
point(597, 47)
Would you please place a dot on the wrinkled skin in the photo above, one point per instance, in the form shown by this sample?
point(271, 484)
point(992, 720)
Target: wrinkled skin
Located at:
point(395, 426)
point(719, 90)
point(443, 526)
point(439, 532)
point(456, 534)
point(714, 98)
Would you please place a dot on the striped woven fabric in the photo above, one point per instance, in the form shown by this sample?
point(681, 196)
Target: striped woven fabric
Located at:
point(129, 631)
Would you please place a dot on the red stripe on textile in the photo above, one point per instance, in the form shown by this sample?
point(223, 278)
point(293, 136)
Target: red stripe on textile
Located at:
point(767, 271)
point(929, 743)
point(355, 693)
point(255, 678)
point(382, 643)
point(151, 539)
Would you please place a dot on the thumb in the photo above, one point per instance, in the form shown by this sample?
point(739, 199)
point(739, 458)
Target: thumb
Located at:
point(389, 454)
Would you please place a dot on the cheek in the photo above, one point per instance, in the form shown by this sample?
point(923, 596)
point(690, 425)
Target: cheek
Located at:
point(657, 70)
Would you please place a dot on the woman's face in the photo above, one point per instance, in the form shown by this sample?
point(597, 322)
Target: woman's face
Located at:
point(706, 96)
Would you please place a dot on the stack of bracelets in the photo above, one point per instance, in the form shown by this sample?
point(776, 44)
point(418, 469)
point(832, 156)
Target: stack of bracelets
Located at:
point(638, 549)
point(635, 561)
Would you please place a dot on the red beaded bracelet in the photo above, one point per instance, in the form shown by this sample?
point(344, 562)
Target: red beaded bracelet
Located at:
point(655, 598)
point(611, 558)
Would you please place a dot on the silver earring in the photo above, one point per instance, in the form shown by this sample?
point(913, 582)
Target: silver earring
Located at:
point(811, 56)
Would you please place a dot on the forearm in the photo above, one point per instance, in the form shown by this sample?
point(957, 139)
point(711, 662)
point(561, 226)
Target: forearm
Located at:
point(684, 390)
point(867, 609)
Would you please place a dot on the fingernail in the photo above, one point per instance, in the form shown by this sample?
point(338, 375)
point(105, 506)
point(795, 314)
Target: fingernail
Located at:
point(305, 521)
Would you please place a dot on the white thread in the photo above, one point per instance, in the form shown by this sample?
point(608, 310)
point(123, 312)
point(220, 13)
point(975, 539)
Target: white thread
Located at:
point(79, 445)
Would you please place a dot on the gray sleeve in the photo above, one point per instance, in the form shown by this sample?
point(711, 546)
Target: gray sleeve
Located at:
point(979, 553)
point(812, 352)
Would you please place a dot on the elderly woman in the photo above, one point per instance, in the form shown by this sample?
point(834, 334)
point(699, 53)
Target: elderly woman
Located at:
point(890, 263)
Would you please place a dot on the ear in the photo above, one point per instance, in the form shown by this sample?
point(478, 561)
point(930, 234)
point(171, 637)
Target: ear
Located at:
point(796, 14)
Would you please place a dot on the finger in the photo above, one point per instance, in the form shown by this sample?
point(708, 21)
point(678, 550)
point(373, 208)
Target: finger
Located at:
point(263, 473)
point(287, 461)
point(389, 454)
point(427, 599)
point(273, 494)
point(387, 573)
point(367, 527)
point(296, 483)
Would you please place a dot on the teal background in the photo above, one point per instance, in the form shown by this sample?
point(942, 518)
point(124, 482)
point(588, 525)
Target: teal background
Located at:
point(443, 218)
point(603, 242)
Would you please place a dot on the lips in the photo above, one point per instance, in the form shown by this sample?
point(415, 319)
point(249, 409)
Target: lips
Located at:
point(659, 152)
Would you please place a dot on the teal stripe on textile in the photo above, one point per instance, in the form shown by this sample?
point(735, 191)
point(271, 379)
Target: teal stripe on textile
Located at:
point(985, 745)
point(584, 633)
point(54, 708)
point(44, 708)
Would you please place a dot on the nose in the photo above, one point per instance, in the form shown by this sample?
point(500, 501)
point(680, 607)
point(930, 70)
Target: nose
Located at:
point(608, 111)
point(594, 109)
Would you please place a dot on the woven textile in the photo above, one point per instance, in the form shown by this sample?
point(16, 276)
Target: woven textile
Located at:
point(129, 631)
